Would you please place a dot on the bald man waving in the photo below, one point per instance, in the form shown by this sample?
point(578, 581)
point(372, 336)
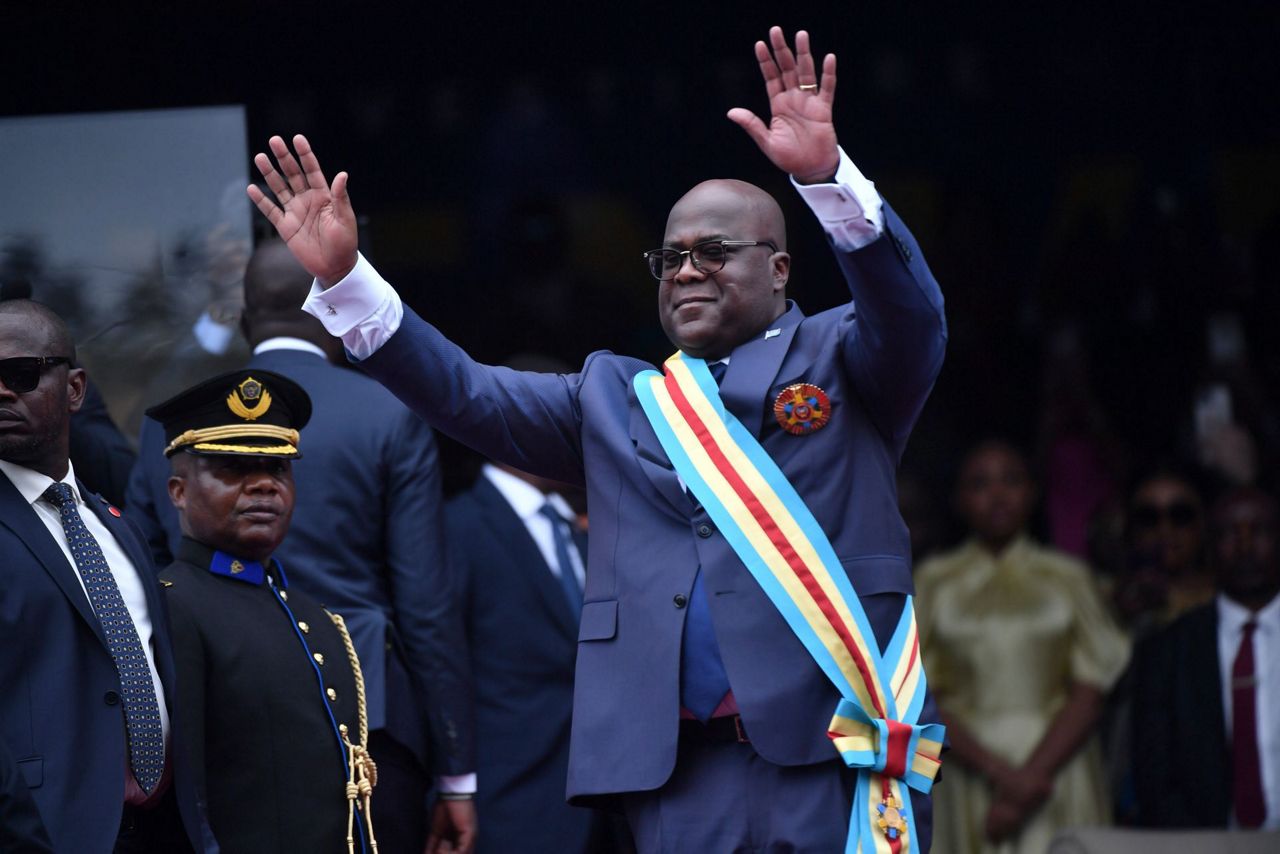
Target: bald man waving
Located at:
point(746, 674)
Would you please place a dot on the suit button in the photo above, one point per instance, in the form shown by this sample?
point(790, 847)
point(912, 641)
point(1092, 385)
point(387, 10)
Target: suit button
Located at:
point(680, 600)
point(318, 657)
point(306, 629)
point(704, 530)
point(331, 694)
point(111, 698)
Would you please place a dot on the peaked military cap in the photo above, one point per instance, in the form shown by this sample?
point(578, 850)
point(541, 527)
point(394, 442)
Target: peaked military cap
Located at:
point(250, 412)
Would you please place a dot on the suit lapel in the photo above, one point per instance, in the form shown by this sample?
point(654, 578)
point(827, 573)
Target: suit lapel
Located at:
point(1207, 670)
point(525, 554)
point(123, 534)
point(752, 369)
point(141, 560)
point(653, 460)
point(21, 519)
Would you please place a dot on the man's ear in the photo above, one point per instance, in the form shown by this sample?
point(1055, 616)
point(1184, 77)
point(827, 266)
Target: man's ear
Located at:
point(77, 384)
point(781, 262)
point(178, 492)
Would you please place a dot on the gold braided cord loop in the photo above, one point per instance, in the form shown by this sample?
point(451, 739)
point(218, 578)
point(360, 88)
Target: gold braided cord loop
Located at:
point(363, 773)
point(232, 431)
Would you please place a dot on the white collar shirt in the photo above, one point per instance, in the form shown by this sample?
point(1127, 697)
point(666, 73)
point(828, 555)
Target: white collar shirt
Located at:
point(527, 501)
point(1266, 664)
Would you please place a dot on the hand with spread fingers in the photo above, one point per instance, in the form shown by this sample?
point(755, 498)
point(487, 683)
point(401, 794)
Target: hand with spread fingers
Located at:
point(800, 138)
point(312, 217)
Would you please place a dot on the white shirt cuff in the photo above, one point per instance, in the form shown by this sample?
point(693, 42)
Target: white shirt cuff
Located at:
point(461, 784)
point(362, 309)
point(849, 208)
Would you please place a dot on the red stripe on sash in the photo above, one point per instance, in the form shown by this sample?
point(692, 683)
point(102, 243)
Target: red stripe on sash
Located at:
point(774, 533)
point(895, 763)
point(915, 650)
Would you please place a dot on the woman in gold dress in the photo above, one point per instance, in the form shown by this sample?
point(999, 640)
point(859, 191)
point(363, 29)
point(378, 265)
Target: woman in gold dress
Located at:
point(1020, 653)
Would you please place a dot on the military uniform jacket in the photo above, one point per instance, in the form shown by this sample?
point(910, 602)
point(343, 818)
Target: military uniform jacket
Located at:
point(266, 681)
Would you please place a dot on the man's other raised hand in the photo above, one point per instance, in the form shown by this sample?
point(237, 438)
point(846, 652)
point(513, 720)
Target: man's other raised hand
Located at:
point(313, 218)
point(800, 138)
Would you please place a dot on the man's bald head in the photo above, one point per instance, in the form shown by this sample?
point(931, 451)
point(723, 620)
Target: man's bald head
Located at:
point(759, 210)
point(35, 422)
point(44, 324)
point(275, 286)
point(274, 281)
point(709, 310)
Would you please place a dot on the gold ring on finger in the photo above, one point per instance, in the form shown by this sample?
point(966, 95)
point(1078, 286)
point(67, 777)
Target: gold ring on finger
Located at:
point(808, 87)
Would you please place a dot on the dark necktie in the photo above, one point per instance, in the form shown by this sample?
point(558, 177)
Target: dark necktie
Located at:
point(1246, 782)
point(568, 578)
point(717, 371)
point(703, 681)
point(141, 711)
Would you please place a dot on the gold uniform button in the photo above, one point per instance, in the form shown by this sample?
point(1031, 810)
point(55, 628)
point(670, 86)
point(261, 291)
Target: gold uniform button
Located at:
point(306, 629)
point(318, 657)
point(333, 695)
point(284, 595)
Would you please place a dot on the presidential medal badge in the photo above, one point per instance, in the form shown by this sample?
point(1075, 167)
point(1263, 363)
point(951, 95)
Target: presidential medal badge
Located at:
point(802, 408)
point(891, 819)
point(249, 400)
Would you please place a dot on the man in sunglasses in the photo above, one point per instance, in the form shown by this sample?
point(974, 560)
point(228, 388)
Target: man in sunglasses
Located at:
point(699, 709)
point(85, 655)
point(1206, 690)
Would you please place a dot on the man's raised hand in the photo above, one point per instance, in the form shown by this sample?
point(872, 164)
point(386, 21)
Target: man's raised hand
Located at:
point(800, 138)
point(313, 218)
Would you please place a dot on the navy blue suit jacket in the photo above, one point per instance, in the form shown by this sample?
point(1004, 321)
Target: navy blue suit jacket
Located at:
point(876, 357)
point(68, 739)
point(523, 640)
point(367, 541)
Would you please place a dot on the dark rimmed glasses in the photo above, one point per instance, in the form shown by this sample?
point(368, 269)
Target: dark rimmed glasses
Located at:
point(21, 374)
point(708, 257)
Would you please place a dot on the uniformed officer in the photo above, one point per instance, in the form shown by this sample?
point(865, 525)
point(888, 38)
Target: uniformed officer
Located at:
point(268, 683)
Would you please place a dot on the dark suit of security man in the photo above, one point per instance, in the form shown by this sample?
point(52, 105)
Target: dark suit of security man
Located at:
point(272, 692)
point(72, 636)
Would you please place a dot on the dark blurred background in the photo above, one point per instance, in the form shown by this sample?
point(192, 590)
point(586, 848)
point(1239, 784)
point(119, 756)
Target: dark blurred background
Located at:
point(1096, 187)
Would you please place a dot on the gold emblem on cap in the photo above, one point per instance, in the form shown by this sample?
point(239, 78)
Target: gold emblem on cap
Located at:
point(236, 567)
point(249, 391)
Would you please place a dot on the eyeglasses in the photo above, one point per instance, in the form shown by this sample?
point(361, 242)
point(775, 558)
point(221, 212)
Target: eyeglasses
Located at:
point(22, 373)
point(708, 257)
point(1181, 514)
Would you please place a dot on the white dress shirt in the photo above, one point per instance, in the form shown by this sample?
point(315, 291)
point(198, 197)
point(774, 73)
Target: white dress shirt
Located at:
point(527, 501)
point(31, 485)
point(364, 310)
point(1266, 664)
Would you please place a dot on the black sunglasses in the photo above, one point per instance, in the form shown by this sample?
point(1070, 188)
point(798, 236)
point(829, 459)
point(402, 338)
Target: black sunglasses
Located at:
point(1180, 514)
point(22, 373)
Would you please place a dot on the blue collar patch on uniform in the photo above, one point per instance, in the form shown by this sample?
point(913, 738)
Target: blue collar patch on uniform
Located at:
point(233, 567)
point(250, 571)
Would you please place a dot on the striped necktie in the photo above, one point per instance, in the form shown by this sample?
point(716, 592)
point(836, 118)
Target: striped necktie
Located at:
point(141, 711)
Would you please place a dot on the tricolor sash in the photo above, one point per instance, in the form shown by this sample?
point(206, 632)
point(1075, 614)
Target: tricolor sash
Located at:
point(875, 727)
